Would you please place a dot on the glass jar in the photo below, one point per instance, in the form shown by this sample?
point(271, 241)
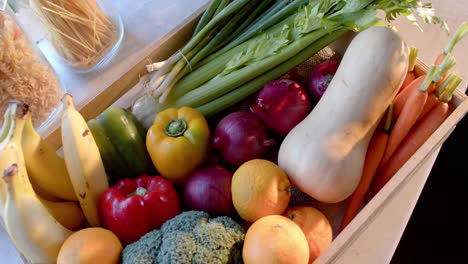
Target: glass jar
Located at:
point(26, 75)
point(82, 35)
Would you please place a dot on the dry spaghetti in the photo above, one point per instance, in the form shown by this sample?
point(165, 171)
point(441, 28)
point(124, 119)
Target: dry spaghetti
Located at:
point(79, 30)
point(22, 75)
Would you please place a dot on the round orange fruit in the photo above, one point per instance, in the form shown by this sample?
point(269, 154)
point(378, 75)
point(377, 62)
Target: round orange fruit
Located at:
point(316, 227)
point(275, 239)
point(90, 245)
point(260, 188)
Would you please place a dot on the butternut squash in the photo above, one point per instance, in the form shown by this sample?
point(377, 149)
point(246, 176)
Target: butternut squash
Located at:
point(324, 154)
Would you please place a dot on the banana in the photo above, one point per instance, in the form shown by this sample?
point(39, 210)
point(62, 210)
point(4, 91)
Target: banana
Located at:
point(46, 169)
point(34, 231)
point(83, 161)
point(5, 134)
point(67, 213)
point(43, 193)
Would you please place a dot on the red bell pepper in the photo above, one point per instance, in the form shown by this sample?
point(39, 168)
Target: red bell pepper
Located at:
point(133, 207)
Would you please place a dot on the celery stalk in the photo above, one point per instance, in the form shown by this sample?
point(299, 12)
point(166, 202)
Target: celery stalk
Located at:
point(209, 70)
point(211, 90)
point(249, 88)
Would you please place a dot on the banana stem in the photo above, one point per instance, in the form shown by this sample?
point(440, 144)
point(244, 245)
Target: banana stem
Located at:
point(67, 101)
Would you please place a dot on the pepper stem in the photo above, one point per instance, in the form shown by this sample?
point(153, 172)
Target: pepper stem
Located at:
point(139, 191)
point(176, 127)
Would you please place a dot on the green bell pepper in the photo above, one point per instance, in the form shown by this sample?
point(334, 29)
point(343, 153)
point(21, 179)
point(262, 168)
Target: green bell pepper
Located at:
point(121, 140)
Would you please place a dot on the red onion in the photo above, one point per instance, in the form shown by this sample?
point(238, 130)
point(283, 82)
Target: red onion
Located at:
point(209, 189)
point(239, 137)
point(281, 105)
point(320, 76)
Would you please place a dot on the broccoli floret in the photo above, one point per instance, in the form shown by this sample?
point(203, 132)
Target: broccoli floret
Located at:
point(186, 221)
point(232, 227)
point(177, 247)
point(143, 251)
point(191, 237)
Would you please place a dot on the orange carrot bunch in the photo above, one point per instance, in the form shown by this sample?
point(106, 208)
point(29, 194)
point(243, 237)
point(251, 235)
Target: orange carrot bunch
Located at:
point(417, 135)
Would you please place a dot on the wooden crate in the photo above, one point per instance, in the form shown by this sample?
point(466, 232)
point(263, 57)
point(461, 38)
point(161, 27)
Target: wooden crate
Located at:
point(124, 91)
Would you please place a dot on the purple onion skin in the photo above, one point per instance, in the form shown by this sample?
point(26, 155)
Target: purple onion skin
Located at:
point(281, 105)
point(320, 78)
point(209, 189)
point(239, 137)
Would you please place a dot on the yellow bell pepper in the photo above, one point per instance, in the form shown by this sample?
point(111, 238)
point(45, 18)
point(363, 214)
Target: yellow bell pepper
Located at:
point(178, 142)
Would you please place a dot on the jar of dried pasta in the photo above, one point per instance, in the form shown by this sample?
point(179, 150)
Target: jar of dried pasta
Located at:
point(26, 75)
point(84, 35)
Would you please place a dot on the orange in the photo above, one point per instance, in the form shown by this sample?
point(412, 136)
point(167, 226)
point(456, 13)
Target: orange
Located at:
point(260, 188)
point(316, 227)
point(275, 239)
point(90, 245)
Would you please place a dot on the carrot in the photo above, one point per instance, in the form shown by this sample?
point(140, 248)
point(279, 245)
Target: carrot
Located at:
point(431, 101)
point(439, 58)
point(410, 75)
point(401, 98)
point(374, 153)
point(433, 98)
point(410, 112)
point(421, 131)
point(439, 70)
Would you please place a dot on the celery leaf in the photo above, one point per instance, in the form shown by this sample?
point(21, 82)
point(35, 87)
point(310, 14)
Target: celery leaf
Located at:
point(262, 47)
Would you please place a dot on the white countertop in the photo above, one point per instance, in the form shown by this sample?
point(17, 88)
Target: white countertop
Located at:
point(146, 21)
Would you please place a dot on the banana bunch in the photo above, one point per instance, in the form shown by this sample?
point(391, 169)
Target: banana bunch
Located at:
point(29, 220)
point(44, 198)
point(83, 161)
point(49, 176)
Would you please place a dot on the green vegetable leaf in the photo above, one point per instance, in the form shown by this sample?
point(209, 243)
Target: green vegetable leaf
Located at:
point(314, 16)
point(264, 46)
point(408, 8)
point(352, 6)
point(359, 20)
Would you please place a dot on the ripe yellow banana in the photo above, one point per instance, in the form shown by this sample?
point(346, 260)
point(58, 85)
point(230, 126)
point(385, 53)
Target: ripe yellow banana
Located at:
point(67, 213)
point(34, 231)
point(46, 169)
point(44, 194)
point(83, 160)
